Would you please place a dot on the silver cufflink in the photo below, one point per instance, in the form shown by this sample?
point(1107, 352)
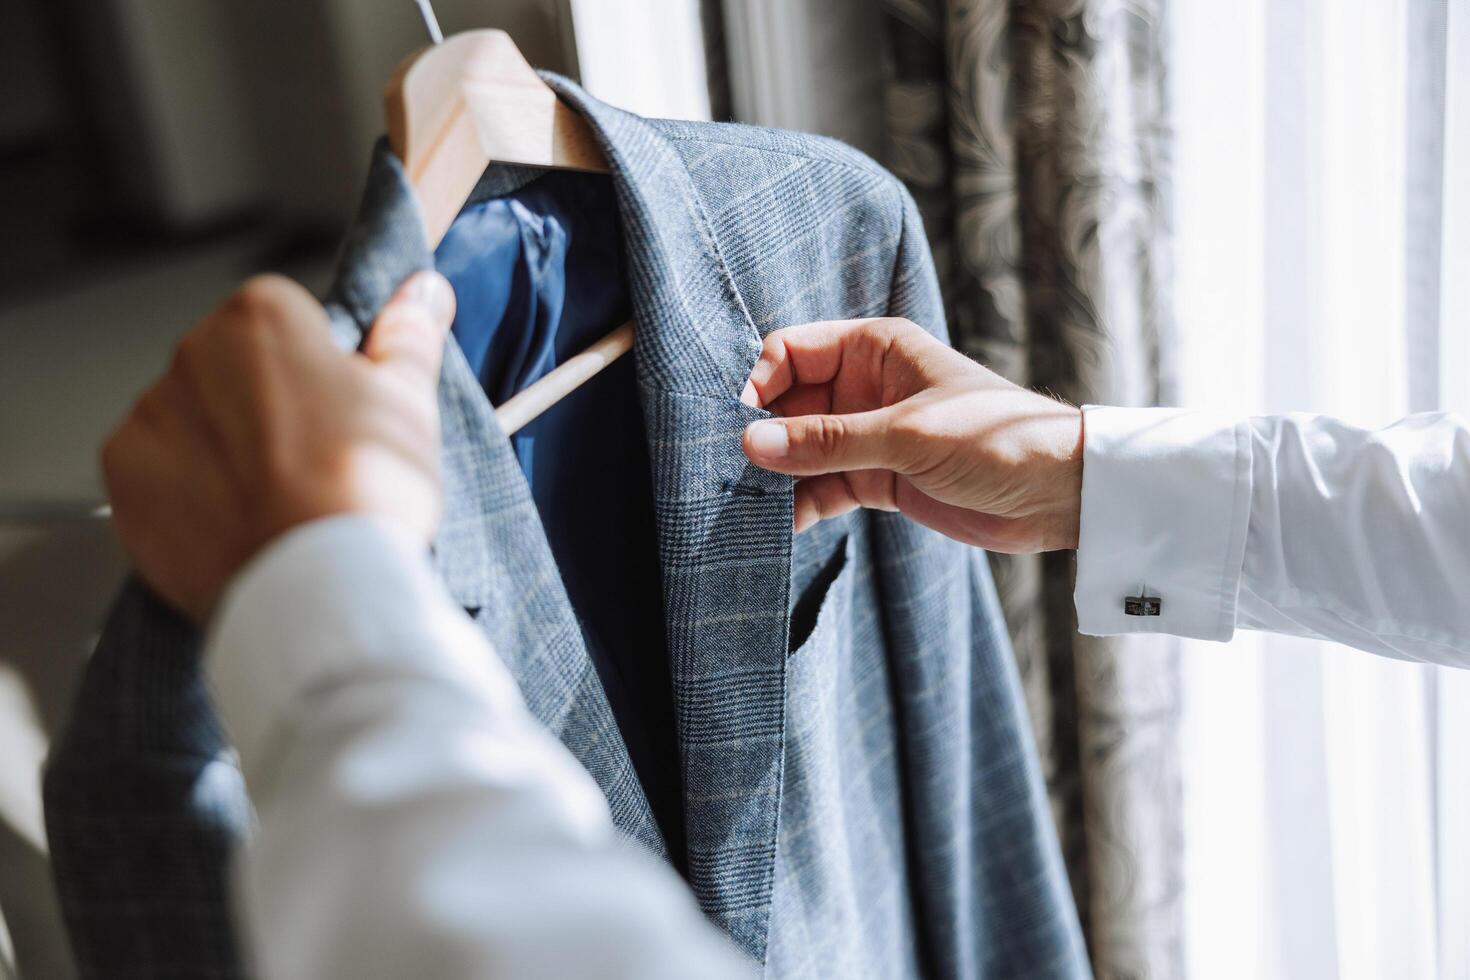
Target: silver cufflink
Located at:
point(1143, 604)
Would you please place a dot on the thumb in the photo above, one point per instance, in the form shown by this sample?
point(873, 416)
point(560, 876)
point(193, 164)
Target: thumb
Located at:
point(811, 444)
point(409, 333)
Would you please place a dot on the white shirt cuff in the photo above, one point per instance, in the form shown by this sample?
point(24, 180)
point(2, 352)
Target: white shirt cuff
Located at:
point(1165, 509)
point(315, 607)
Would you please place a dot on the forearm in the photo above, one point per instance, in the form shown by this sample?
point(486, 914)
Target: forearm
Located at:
point(1295, 524)
point(411, 813)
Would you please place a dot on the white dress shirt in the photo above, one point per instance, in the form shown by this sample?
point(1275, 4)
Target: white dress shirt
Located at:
point(413, 819)
point(1295, 524)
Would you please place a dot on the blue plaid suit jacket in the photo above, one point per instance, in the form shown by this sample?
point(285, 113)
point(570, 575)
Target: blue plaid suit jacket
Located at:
point(862, 794)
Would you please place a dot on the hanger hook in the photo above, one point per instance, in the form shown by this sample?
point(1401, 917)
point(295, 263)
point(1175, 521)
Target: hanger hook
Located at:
point(431, 23)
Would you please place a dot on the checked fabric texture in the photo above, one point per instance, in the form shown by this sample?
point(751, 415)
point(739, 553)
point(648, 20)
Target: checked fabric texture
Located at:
point(861, 790)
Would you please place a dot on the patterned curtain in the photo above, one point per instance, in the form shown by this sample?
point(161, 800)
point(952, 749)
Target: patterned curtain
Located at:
point(1033, 134)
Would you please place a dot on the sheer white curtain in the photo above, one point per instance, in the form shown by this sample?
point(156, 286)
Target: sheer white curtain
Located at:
point(646, 58)
point(1323, 264)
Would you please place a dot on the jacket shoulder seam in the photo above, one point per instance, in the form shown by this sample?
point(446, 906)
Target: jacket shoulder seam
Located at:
point(873, 169)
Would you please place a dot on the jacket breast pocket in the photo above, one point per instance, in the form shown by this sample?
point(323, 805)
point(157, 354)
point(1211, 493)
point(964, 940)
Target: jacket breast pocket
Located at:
point(822, 600)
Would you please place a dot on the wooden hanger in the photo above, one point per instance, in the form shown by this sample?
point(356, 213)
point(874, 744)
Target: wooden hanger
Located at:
point(462, 104)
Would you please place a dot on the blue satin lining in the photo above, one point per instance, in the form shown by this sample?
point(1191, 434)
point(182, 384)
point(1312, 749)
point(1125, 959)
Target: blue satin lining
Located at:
point(539, 273)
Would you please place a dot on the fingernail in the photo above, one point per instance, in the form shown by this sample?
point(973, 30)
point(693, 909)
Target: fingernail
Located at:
point(749, 396)
point(767, 439)
point(433, 292)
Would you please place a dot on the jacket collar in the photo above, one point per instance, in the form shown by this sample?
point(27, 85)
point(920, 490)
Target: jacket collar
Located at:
point(696, 335)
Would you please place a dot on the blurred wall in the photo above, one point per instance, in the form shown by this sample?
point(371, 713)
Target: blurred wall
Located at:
point(32, 107)
point(199, 110)
point(196, 153)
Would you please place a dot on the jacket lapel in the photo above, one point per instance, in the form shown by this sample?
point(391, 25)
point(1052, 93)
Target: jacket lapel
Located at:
point(491, 549)
point(724, 526)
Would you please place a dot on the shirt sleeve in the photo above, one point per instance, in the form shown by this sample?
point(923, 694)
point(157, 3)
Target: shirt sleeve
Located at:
point(1295, 524)
point(1165, 508)
point(413, 819)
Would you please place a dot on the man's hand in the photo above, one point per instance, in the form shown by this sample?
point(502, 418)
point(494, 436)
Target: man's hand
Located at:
point(261, 424)
point(877, 413)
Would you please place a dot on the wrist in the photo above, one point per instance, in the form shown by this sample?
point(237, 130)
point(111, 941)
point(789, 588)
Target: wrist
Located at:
point(1062, 488)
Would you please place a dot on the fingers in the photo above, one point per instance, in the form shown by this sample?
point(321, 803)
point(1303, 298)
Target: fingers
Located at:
point(803, 400)
point(813, 354)
point(167, 486)
point(272, 299)
point(820, 498)
point(267, 312)
point(813, 444)
point(408, 335)
point(1007, 535)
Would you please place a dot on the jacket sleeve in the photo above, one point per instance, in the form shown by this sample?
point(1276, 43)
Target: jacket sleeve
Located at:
point(143, 797)
point(914, 292)
point(999, 900)
point(143, 805)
